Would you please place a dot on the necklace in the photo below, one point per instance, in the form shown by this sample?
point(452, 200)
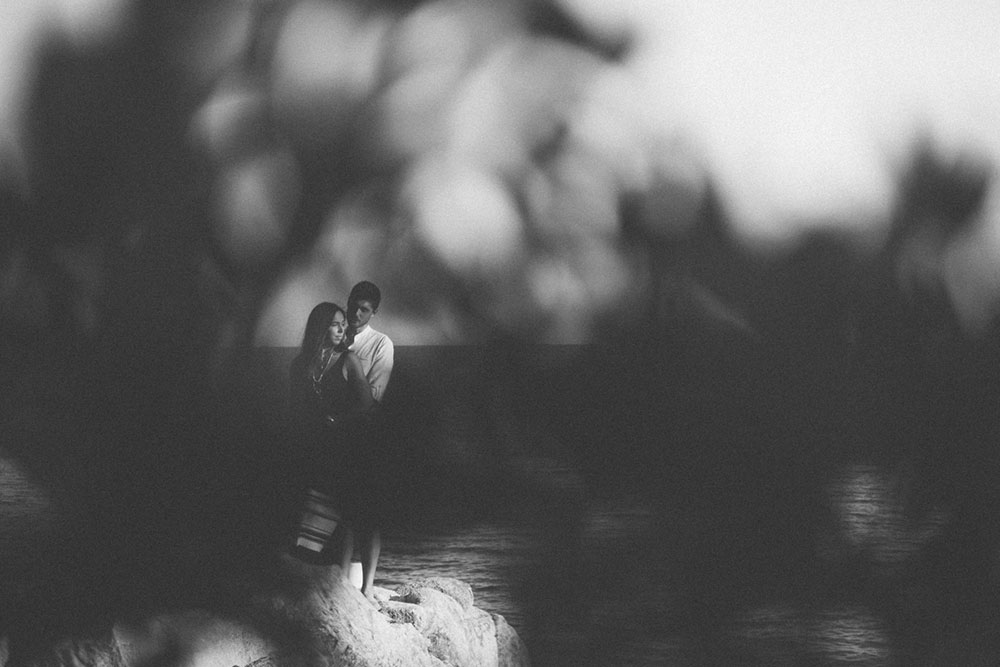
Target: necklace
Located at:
point(325, 356)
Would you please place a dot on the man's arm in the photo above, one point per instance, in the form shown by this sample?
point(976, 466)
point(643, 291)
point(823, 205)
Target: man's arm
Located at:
point(378, 375)
point(358, 382)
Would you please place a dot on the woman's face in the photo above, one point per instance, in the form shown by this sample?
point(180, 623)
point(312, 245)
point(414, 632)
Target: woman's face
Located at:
point(338, 327)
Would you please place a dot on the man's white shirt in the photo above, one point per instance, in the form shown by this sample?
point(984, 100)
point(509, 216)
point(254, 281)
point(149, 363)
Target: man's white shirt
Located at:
point(375, 350)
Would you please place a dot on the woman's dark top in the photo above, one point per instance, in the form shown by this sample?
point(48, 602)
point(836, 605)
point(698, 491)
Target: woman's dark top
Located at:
point(332, 432)
point(333, 398)
point(326, 399)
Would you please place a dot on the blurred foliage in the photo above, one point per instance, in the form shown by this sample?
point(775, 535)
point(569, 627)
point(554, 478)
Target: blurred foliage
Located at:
point(192, 178)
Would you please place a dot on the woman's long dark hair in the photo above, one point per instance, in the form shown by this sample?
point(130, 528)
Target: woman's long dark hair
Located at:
point(317, 332)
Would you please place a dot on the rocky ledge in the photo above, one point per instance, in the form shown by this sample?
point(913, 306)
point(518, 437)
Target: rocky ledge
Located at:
point(307, 617)
point(427, 622)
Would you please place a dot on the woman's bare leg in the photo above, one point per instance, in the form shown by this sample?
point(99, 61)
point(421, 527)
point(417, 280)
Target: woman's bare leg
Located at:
point(346, 552)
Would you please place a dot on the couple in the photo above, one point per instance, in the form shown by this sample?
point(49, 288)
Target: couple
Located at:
point(337, 382)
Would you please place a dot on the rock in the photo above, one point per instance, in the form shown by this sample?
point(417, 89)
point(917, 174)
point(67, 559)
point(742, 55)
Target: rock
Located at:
point(458, 636)
point(458, 590)
point(190, 637)
point(98, 650)
point(383, 594)
point(427, 622)
point(424, 622)
point(313, 618)
point(336, 625)
point(511, 651)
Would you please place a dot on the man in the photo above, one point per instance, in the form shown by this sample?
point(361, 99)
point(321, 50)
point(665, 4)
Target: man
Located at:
point(373, 347)
point(375, 350)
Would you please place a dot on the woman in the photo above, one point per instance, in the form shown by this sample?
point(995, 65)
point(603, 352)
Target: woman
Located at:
point(327, 380)
point(331, 402)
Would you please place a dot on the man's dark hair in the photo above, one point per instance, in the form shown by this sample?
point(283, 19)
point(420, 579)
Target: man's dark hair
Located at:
point(366, 291)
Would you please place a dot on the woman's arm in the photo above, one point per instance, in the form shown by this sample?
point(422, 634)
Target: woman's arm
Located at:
point(358, 382)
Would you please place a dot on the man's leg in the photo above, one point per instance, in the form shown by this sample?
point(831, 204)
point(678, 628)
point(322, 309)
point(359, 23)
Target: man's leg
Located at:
point(371, 548)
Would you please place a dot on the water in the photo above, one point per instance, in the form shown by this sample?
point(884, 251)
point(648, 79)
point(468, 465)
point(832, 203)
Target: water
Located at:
point(789, 629)
point(496, 558)
point(650, 526)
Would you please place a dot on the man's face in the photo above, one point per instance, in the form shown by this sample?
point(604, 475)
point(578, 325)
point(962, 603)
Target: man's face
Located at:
point(358, 313)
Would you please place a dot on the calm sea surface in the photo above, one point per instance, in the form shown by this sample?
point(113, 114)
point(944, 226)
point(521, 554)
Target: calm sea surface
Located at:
point(857, 609)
